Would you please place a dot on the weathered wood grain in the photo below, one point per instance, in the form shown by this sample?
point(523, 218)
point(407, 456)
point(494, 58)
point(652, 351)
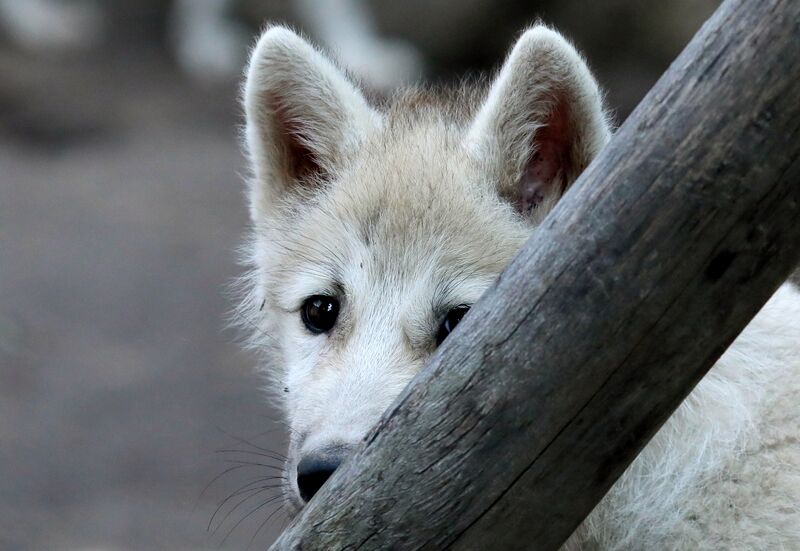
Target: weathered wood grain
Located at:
point(637, 282)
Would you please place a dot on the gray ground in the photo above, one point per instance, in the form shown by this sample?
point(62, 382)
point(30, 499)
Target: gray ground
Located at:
point(120, 206)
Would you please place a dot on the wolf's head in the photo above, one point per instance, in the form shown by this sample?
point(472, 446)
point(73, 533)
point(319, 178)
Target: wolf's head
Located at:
point(375, 229)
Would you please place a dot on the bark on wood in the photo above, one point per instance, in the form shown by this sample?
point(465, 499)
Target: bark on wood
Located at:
point(637, 282)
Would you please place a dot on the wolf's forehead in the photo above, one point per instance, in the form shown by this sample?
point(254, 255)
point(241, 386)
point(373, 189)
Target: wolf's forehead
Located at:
point(411, 177)
point(413, 207)
point(403, 221)
point(417, 186)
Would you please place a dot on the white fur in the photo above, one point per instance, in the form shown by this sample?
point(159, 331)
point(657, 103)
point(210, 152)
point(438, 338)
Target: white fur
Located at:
point(543, 66)
point(285, 70)
point(724, 471)
point(409, 211)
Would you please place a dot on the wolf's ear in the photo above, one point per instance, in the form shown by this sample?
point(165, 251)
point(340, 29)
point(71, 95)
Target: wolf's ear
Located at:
point(302, 117)
point(542, 122)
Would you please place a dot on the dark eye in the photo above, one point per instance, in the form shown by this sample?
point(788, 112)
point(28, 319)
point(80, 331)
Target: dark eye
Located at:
point(450, 321)
point(319, 313)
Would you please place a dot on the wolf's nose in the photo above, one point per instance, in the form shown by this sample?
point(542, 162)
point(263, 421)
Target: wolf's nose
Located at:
point(313, 470)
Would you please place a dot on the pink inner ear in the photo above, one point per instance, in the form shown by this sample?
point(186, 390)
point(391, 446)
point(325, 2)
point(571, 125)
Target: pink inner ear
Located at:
point(548, 166)
point(301, 161)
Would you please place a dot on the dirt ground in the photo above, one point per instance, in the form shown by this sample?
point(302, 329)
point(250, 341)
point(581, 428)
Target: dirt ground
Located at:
point(120, 208)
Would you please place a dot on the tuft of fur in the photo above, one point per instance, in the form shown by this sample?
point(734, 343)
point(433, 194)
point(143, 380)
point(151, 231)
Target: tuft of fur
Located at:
point(406, 210)
point(724, 471)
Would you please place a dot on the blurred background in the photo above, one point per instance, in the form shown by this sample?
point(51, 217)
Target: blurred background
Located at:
point(121, 206)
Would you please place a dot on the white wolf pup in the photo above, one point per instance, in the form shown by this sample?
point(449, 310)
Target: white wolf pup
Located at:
point(374, 230)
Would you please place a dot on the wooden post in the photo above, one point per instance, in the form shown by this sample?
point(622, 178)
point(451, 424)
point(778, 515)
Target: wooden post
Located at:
point(636, 283)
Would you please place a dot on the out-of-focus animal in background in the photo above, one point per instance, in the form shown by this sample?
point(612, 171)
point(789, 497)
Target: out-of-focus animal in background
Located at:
point(51, 25)
point(209, 38)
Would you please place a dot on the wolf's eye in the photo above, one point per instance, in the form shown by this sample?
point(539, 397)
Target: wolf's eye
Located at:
point(319, 313)
point(450, 321)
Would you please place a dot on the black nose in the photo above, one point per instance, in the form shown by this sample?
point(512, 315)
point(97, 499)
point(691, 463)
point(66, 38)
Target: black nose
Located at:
point(313, 470)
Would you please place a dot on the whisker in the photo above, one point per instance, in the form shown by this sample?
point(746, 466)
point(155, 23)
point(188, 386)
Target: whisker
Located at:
point(247, 442)
point(271, 455)
point(282, 428)
point(282, 423)
point(220, 475)
point(264, 522)
point(253, 492)
point(253, 510)
point(252, 464)
point(241, 491)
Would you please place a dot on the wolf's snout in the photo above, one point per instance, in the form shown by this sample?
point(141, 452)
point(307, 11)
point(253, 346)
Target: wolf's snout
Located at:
point(316, 467)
